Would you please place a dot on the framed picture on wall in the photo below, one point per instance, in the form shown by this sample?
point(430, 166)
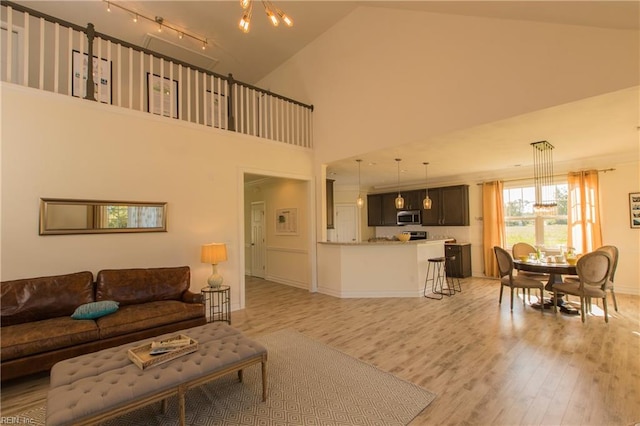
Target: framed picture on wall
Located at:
point(634, 209)
point(101, 77)
point(287, 221)
point(162, 93)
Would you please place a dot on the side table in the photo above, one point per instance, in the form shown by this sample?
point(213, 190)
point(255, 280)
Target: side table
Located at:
point(218, 302)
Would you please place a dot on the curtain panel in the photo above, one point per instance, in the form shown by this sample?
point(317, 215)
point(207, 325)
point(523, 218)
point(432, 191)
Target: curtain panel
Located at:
point(583, 211)
point(493, 228)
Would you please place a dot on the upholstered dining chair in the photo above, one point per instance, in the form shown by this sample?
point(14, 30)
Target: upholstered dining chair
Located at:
point(507, 279)
point(524, 249)
point(613, 252)
point(593, 273)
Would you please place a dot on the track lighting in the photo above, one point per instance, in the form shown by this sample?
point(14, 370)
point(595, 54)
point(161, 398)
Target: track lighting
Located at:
point(162, 23)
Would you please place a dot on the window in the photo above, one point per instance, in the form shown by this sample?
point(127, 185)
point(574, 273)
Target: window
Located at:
point(522, 224)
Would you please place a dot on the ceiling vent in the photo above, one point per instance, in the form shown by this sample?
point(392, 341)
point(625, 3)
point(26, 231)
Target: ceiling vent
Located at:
point(179, 52)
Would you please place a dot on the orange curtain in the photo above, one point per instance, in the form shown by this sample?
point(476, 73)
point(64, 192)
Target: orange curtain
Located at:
point(493, 230)
point(583, 211)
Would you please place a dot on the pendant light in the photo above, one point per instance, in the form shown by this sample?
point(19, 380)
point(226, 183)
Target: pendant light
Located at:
point(426, 203)
point(399, 200)
point(543, 179)
point(360, 200)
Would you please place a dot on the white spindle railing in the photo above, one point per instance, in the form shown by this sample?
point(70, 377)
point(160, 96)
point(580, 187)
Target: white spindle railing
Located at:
point(44, 56)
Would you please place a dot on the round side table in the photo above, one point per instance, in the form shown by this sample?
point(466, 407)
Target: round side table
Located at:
point(218, 303)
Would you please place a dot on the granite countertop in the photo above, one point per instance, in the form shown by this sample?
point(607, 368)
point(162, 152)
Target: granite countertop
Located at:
point(384, 242)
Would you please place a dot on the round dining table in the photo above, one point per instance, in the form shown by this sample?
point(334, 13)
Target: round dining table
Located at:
point(555, 271)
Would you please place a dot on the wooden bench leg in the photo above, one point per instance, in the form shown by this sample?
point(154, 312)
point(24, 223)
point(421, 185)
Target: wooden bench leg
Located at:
point(240, 376)
point(264, 381)
point(164, 405)
point(181, 405)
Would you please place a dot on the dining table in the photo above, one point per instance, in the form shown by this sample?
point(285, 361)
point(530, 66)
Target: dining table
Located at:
point(555, 270)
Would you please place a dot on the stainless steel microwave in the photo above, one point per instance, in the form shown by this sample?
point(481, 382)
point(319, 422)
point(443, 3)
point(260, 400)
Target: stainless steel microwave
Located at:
point(409, 217)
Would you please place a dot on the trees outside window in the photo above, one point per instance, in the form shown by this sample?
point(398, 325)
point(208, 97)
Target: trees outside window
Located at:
point(523, 225)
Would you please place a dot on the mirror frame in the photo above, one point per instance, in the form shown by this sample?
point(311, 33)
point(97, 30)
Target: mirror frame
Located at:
point(46, 203)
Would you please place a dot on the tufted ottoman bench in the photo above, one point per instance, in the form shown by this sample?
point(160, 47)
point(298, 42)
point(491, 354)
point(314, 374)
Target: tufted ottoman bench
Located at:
point(95, 387)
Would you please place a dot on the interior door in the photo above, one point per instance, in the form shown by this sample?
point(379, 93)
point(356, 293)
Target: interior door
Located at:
point(258, 243)
point(346, 223)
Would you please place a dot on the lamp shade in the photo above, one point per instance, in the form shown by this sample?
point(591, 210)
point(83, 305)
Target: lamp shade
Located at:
point(213, 253)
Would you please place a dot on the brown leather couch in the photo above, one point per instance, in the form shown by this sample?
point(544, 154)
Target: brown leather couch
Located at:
point(37, 330)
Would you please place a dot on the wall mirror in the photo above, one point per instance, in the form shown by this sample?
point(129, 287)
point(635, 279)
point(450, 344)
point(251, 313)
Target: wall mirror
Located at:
point(64, 216)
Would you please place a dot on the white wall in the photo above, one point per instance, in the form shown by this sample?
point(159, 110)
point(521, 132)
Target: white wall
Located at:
point(62, 147)
point(383, 77)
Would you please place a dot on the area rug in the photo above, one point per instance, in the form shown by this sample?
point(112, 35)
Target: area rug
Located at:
point(309, 384)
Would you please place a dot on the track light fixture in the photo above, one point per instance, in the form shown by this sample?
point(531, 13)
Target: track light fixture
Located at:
point(162, 23)
point(274, 14)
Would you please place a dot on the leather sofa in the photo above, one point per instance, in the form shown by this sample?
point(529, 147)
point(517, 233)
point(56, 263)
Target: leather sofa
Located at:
point(35, 314)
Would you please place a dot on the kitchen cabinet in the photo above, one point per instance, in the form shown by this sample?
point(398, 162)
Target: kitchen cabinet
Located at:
point(381, 209)
point(449, 206)
point(412, 199)
point(330, 211)
point(374, 210)
point(460, 267)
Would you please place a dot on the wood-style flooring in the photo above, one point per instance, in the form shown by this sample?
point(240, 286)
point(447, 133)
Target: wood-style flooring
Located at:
point(486, 364)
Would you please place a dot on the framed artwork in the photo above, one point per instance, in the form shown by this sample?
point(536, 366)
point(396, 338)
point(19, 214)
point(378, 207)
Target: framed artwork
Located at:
point(287, 221)
point(217, 117)
point(162, 93)
point(101, 77)
point(634, 209)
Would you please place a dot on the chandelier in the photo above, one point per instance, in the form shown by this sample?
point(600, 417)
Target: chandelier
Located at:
point(273, 13)
point(545, 203)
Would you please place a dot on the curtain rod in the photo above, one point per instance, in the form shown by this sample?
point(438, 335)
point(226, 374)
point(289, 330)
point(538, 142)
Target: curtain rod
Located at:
point(611, 169)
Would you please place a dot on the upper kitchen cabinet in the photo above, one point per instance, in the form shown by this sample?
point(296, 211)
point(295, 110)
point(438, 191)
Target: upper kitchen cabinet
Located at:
point(330, 209)
point(381, 209)
point(449, 207)
point(412, 199)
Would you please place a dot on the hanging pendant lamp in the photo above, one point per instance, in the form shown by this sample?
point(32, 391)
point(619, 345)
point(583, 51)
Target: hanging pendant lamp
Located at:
point(399, 200)
point(360, 200)
point(543, 179)
point(426, 203)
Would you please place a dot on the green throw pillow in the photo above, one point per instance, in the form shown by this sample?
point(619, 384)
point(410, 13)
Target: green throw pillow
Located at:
point(95, 309)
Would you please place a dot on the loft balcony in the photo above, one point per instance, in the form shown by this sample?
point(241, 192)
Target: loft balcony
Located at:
point(46, 53)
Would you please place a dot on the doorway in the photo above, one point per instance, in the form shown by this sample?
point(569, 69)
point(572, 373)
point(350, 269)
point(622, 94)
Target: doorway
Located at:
point(258, 243)
point(346, 221)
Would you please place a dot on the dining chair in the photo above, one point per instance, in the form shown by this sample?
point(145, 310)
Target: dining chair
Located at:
point(593, 273)
point(507, 279)
point(613, 252)
point(524, 249)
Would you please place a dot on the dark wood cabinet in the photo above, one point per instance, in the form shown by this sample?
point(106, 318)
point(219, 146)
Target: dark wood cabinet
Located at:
point(330, 211)
point(449, 206)
point(381, 209)
point(374, 210)
point(413, 199)
point(460, 267)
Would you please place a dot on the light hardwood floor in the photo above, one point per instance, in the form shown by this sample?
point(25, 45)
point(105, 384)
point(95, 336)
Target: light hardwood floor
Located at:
point(486, 364)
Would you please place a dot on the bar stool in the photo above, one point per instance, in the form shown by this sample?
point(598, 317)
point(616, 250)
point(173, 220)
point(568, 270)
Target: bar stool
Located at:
point(451, 267)
point(437, 274)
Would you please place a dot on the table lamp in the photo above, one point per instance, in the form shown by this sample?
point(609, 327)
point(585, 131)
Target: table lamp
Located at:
point(214, 253)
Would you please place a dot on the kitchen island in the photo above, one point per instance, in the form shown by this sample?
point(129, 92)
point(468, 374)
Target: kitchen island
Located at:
point(375, 269)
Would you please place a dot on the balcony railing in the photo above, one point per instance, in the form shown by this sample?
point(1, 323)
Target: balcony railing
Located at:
point(47, 53)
